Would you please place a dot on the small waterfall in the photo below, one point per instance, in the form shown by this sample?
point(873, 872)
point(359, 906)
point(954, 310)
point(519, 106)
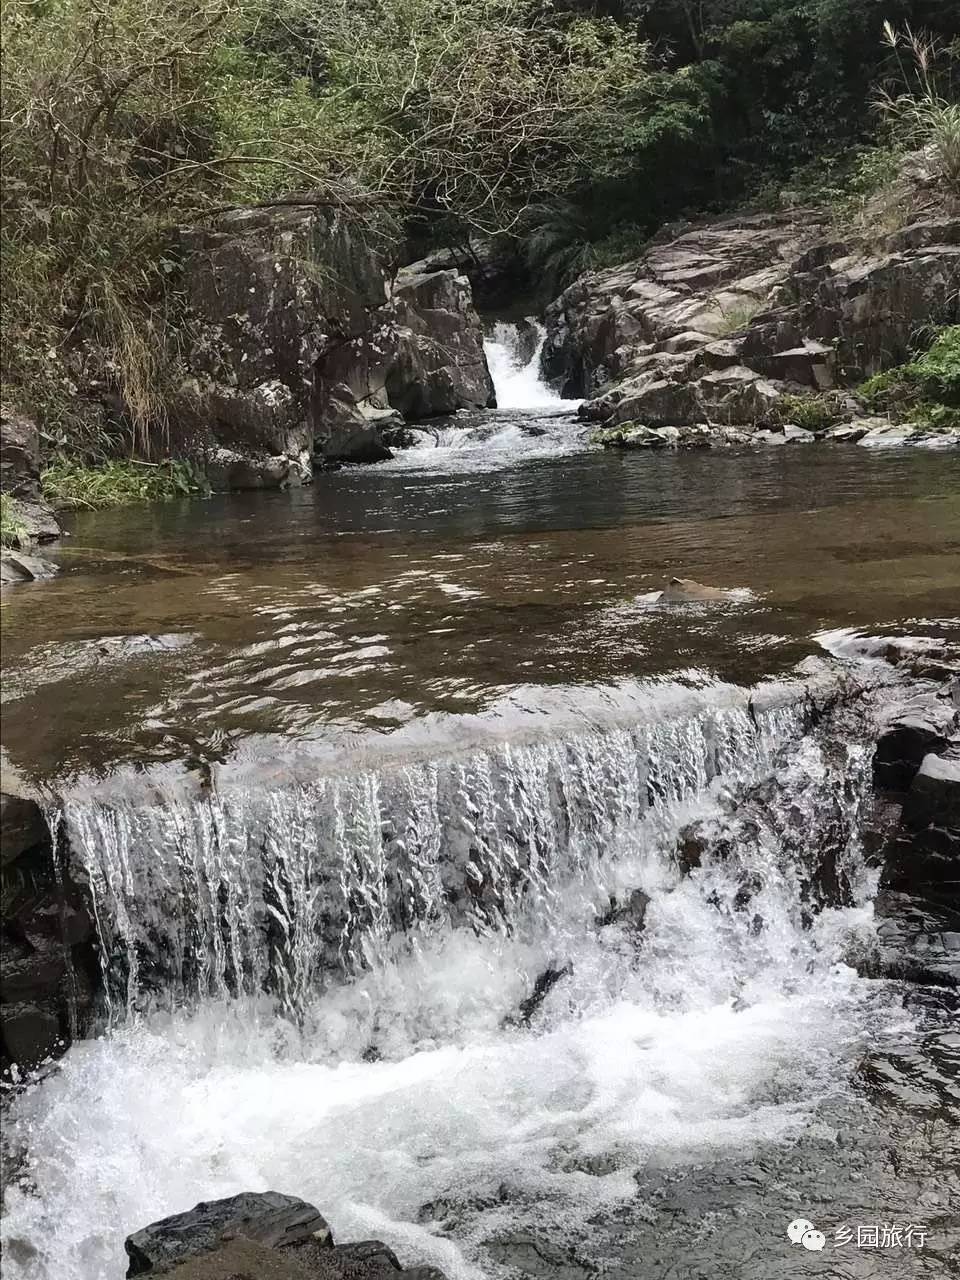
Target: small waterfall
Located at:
point(516, 373)
point(252, 890)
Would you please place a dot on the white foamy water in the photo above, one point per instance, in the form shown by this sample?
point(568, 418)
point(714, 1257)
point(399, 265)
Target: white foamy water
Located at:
point(719, 1027)
point(518, 382)
point(531, 422)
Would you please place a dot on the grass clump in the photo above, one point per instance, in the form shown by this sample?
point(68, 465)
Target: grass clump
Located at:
point(71, 486)
point(12, 529)
point(813, 412)
point(926, 390)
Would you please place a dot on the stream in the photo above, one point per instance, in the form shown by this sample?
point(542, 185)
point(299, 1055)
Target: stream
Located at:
point(348, 767)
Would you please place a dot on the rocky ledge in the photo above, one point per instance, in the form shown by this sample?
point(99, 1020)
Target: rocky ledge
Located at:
point(259, 1236)
point(723, 333)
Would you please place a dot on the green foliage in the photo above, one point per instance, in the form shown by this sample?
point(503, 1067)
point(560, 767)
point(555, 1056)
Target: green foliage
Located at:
point(71, 486)
point(812, 412)
point(925, 390)
point(12, 529)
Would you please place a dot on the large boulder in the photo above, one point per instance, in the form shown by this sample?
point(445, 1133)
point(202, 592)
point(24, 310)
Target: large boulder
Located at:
point(439, 365)
point(304, 341)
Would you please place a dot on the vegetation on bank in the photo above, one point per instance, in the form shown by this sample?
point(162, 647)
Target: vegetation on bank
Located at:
point(926, 390)
point(12, 528)
point(72, 486)
point(566, 130)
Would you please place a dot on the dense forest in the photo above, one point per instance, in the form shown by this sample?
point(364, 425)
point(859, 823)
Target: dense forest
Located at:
point(566, 132)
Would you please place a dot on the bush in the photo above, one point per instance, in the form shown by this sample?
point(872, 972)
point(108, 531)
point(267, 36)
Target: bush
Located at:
point(926, 390)
point(71, 486)
point(12, 529)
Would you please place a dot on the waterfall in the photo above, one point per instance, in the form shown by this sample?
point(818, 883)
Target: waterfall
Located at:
point(248, 890)
point(516, 374)
point(311, 987)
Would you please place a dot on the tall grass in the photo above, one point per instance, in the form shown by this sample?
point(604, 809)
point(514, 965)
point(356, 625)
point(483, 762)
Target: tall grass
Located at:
point(925, 115)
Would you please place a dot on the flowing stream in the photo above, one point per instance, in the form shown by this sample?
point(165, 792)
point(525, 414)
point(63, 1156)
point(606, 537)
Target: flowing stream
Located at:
point(348, 782)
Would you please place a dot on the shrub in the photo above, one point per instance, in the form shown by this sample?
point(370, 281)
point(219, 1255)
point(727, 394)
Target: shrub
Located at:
point(926, 389)
point(12, 529)
point(71, 486)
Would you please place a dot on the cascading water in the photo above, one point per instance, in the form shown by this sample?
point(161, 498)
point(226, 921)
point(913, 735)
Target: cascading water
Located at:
point(516, 371)
point(312, 989)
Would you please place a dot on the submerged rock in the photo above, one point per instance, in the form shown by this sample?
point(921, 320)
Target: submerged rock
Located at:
point(631, 914)
point(544, 984)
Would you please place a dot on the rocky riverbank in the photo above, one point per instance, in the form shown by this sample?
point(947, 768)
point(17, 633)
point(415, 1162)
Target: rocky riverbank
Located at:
point(758, 329)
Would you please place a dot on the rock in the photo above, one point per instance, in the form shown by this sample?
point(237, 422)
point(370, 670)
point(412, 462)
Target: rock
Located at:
point(228, 470)
point(683, 590)
point(37, 519)
point(31, 1033)
point(259, 1236)
point(934, 795)
point(48, 965)
point(908, 737)
point(544, 984)
point(716, 324)
point(22, 826)
point(917, 941)
point(269, 1218)
point(19, 454)
point(17, 566)
point(631, 914)
point(439, 365)
point(632, 435)
point(304, 343)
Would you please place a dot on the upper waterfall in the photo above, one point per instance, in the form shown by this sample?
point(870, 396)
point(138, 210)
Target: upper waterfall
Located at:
point(516, 374)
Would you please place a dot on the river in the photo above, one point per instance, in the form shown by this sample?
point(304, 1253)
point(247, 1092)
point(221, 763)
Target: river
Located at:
point(350, 766)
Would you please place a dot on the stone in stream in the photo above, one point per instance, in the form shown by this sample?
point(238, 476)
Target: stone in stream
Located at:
point(258, 1236)
point(17, 566)
point(632, 913)
point(911, 733)
point(544, 984)
point(684, 590)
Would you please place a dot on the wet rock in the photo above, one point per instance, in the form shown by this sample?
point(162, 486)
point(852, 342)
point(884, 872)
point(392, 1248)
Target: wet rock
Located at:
point(934, 795)
point(910, 735)
point(37, 520)
point(17, 566)
point(267, 1217)
point(22, 826)
point(544, 984)
point(229, 470)
point(918, 940)
point(685, 590)
point(631, 914)
point(259, 1236)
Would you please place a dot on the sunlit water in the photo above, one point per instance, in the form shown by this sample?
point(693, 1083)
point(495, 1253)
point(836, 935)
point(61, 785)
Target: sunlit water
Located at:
point(446, 719)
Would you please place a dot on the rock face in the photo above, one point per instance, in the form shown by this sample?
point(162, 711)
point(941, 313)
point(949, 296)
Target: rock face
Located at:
point(305, 344)
point(258, 1236)
point(717, 325)
point(48, 966)
point(20, 484)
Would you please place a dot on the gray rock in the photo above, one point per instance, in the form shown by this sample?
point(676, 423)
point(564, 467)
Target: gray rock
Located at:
point(268, 1218)
point(37, 518)
point(910, 734)
point(934, 795)
point(684, 590)
point(22, 825)
point(18, 566)
point(631, 914)
point(19, 454)
point(229, 470)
